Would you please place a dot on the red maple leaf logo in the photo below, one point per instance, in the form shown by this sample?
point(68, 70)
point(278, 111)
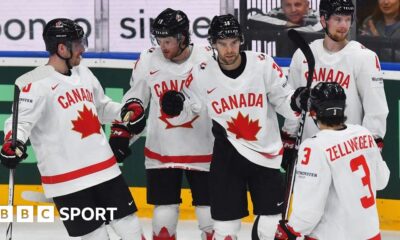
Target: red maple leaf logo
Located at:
point(164, 117)
point(87, 123)
point(244, 127)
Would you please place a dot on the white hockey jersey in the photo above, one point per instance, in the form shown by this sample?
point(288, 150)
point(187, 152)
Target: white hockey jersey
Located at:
point(171, 142)
point(337, 176)
point(357, 70)
point(62, 117)
point(246, 106)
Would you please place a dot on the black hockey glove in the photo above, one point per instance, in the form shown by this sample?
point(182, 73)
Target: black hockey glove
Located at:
point(299, 99)
point(119, 142)
point(133, 113)
point(172, 103)
point(285, 232)
point(11, 157)
point(379, 142)
point(288, 149)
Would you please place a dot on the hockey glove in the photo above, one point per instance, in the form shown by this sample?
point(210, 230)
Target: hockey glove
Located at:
point(172, 103)
point(299, 99)
point(288, 149)
point(285, 232)
point(11, 157)
point(119, 142)
point(133, 113)
point(379, 143)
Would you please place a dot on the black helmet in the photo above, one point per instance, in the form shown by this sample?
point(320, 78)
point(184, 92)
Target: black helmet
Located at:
point(328, 99)
point(61, 30)
point(171, 22)
point(340, 7)
point(224, 26)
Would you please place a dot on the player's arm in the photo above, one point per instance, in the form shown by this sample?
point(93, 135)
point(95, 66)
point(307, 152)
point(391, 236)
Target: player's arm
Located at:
point(108, 111)
point(131, 113)
point(371, 91)
point(313, 179)
point(295, 80)
point(382, 175)
point(382, 172)
point(137, 98)
point(31, 107)
point(279, 92)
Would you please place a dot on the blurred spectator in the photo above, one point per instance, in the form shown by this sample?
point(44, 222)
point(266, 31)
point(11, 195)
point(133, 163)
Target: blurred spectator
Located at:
point(385, 20)
point(365, 9)
point(293, 13)
point(296, 13)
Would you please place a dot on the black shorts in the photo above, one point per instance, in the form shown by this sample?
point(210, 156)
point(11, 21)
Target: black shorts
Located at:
point(110, 194)
point(231, 175)
point(164, 186)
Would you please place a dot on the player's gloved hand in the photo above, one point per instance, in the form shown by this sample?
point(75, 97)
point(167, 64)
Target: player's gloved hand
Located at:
point(288, 149)
point(133, 113)
point(119, 142)
point(299, 99)
point(285, 232)
point(10, 157)
point(379, 142)
point(172, 103)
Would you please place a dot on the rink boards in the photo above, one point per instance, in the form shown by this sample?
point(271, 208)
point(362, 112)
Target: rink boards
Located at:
point(114, 76)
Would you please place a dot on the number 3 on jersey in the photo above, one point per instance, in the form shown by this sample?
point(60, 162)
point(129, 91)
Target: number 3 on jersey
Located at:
point(306, 159)
point(355, 164)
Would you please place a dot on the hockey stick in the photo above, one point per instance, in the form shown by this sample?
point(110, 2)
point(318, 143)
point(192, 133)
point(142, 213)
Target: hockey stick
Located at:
point(290, 174)
point(306, 50)
point(24, 80)
point(13, 145)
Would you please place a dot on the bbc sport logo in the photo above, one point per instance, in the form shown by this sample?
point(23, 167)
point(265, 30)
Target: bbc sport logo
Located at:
point(45, 214)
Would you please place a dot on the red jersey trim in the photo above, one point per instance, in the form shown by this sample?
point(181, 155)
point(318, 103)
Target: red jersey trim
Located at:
point(177, 159)
point(377, 237)
point(270, 156)
point(79, 172)
point(309, 238)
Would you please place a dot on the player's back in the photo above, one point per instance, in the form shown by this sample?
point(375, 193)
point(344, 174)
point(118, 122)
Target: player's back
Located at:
point(354, 162)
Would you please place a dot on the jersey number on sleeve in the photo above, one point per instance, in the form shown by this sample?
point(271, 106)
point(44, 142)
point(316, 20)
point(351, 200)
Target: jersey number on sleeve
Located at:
point(355, 164)
point(277, 68)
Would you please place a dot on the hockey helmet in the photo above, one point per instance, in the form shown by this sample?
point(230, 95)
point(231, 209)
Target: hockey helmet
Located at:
point(339, 7)
point(224, 26)
point(65, 31)
point(171, 22)
point(328, 99)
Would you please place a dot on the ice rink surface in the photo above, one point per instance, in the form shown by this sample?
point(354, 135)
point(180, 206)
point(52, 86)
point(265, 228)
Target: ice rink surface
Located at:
point(187, 230)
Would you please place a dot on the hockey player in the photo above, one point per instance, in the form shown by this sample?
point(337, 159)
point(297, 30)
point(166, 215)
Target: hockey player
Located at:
point(61, 111)
point(348, 63)
point(171, 149)
point(339, 171)
point(242, 91)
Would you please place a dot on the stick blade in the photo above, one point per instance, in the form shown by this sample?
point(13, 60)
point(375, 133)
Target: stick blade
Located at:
point(34, 196)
